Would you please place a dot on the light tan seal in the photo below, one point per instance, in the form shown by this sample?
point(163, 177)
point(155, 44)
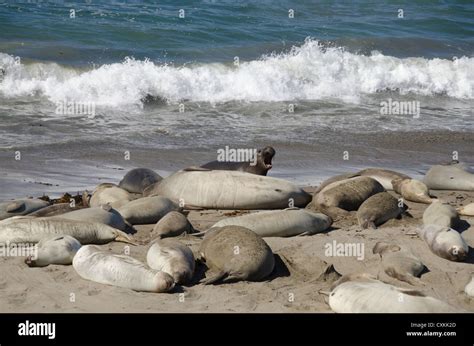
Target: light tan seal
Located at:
point(467, 210)
point(361, 293)
point(172, 257)
point(341, 196)
point(383, 176)
point(397, 263)
point(280, 223)
point(20, 207)
point(444, 242)
point(54, 250)
point(441, 214)
point(234, 253)
point(413, 190)
point(111, 194)
point(453, 176)
point(32, 230)
point(94, 264)
point(207, 189)
point(469, 288)
point(146, 210)
point(104, 214)
point(378, 209)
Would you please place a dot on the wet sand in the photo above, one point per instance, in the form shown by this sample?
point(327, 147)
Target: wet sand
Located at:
point(55, 169)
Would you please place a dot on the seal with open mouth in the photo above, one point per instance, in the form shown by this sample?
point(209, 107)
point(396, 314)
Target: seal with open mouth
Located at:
point(262, 165)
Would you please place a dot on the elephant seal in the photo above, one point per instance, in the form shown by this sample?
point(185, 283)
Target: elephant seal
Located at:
point(383, 176)
point(136, 180)
point(94, 264)
point(412, 190)
point(107, 193)
point(262, 164)
point(397, 263)
point(467, 210)
point(55, 250)
point(378, 209)
point(229, 190)
point(364, 294)
point(335, 178)
point(104, 214)
point(280, 223)
point(469, 289)
point(345, 195)
point(146, 210)
point(172, 257)
point(55, 209)
point(172, 224)
point(441, 214)
point(19, 207)
point(234, 253)
point(454, 176)
point(33, 230)
point(444, 242)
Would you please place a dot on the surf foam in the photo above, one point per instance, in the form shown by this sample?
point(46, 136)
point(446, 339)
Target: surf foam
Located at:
point(307, 72)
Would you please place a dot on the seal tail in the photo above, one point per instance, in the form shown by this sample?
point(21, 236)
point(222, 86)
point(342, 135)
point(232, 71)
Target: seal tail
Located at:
point(368, 224)
point(214, 279)
point(198, 234)
point(124, 238)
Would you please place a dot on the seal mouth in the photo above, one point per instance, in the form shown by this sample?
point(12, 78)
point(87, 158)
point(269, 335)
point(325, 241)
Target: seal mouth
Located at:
point(267, 154)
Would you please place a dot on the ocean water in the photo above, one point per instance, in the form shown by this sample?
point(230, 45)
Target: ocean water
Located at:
point(200, 75)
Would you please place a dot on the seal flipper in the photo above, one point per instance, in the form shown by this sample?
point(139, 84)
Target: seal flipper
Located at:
point(199, 234)
point(214, 279)
point(192, 207)
point(368, 224)
point(124, 238)
point(304, 234)
point(409, 279)
point(15, 207)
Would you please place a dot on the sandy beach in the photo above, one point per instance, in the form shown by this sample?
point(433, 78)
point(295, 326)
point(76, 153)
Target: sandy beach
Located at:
point(90, 91)
point(302, 277)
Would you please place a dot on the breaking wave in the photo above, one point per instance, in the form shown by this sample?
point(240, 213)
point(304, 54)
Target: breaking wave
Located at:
point(307, 72)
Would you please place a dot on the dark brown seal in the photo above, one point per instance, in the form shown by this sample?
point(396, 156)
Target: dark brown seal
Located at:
point(262, 166)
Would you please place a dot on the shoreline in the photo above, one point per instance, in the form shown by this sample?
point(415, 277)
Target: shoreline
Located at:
point(42, 172)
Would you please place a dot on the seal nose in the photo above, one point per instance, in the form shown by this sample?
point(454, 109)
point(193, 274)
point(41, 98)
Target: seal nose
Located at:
point(29, 261)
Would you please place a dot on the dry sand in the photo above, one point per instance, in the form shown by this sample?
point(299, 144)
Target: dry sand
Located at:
point(302, 275)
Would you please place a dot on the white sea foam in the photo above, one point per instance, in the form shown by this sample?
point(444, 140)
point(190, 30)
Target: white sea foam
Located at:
point(308, 72)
